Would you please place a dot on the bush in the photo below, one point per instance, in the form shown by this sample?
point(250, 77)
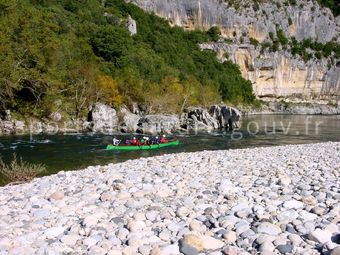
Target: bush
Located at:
point(19, 171)
point(214, 34)
point(281, 37)
point(290, 21)
point(253, 41)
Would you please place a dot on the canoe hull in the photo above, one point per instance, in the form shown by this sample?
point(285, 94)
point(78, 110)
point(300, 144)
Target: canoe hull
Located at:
point(142, 147)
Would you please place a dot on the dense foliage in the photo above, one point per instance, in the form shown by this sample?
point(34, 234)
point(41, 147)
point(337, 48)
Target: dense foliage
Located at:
point(334, 5)
point(63, 55)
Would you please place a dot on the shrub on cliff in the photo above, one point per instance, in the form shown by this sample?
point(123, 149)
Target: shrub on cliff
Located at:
point(19, 171)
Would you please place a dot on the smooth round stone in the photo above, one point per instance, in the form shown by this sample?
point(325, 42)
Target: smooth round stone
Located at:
point(156, 251)
point(129, 250)
point(139, 216)
point(242, 228)
point(124, 196)
point(144, 249)
point(319, 210)
point(285, 248)
point(95, 250)
point(90, 241)
point(122, 233)
point(266, 246)
point(230, 236)
point(243, 214)
point(309, 200)
point(54, 232)
point(135, 226)
point(195, 225)
point(232, 250)
point(182, 212)
point(295, 239)
point(40, 213)
point(70, 240)
point(175, 227)
point(151, 215)
point(135, 241)
point(58, 195)
point(191, 243)
point(172, 249)
point(247, 234)
point(106, 196)
point(165, 235)
point(268, 228)
point(265, 238)
point(335, 251)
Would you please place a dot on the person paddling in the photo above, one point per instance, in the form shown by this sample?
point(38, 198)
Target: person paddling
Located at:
point(134, 141)
point(162, 140)
point(115, 141)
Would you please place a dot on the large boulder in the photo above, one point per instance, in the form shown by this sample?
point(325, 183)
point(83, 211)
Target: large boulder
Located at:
point(12, 127)
point(6, 127)
point(218, 117)
point(104, 118)
point(199, 119)
point(153, 124)
point(129, 120)
point(227, 117)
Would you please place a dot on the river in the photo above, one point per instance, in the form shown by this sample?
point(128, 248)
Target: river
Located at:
point(76, 151)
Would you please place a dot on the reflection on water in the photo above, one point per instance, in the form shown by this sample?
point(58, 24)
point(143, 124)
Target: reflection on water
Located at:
point(66, 152)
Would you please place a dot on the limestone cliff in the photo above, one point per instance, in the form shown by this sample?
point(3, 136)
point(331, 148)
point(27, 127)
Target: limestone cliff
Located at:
point(278, 74)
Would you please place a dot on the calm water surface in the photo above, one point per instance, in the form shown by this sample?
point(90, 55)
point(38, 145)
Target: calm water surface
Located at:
point(74, 151)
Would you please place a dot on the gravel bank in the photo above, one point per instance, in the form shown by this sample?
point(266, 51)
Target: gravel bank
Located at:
point(274, 200)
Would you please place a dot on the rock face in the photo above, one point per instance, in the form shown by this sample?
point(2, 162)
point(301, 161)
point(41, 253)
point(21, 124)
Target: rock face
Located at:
point(217, 117)
point(303, 20)
point(279, 74)
point(132, 26)
point(287, 107)
point(272, 74)
point(104, 118)
point(129, 122)
point(153, 124)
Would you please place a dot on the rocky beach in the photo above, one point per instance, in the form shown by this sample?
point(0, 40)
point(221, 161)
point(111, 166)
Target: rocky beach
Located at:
point(271, 200)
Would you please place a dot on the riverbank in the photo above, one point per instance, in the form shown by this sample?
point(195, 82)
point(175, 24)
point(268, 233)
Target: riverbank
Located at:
point(293, 107)
point(107, 120)
point(274, 199)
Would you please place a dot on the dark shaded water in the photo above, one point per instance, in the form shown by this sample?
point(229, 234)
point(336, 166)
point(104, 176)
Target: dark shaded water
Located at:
point(66, 152)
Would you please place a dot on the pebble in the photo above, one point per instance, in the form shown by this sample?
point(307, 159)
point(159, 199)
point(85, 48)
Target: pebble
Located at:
point(271, 200)
point(210, 243)
point(195, 225)
point(267, 246)
point(285, 248)
point(70, 240)
point(58, 195)
point(293, 204)
point(320, 236)
point(54, 232)
point(268, 228)
point(335, 251)
point(192, 241)
point(230, 237)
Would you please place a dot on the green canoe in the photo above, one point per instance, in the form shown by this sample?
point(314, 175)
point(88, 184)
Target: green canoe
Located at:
point(142, 147)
